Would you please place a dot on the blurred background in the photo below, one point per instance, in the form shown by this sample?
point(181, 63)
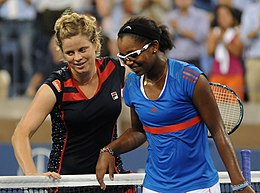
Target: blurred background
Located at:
point(221, 37)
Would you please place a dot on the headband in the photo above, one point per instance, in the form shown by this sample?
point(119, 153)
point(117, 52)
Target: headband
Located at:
point(140, 30)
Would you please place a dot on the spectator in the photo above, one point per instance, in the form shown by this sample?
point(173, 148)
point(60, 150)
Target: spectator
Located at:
point(236, 12)
point(52, 62)
point(250, 34)
point(225, 46)
point(188, 34)
point(155, 9)
point(18, 18)
point(114, 13)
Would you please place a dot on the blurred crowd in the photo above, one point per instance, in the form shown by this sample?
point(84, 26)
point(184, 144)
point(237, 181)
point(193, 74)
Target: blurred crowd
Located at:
point(222, 37)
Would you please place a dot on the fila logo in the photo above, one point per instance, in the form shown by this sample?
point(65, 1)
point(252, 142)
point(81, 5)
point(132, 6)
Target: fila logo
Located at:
point(154, 109)
point(114, 95)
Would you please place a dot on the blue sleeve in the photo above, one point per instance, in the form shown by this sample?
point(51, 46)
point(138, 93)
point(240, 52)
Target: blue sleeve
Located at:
point(128, 89)
point(190, 76)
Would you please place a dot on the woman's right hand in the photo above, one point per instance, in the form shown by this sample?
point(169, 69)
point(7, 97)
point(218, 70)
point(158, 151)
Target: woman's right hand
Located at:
point(106, 162)
point(53, 175)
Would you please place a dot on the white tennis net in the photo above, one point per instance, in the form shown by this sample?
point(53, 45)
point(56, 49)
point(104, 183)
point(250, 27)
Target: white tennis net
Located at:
point(122, 183)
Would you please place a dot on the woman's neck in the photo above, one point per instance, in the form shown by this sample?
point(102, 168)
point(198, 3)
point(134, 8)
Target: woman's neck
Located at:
point(86, 78)
point(158, 72)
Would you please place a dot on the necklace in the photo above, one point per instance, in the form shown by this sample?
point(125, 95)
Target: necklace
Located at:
point(146, 81)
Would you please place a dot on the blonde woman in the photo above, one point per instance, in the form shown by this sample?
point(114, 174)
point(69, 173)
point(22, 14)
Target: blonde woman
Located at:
point(82, 98)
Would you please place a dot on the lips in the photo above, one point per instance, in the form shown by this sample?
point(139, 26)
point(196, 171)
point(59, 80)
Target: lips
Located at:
point(81, 65)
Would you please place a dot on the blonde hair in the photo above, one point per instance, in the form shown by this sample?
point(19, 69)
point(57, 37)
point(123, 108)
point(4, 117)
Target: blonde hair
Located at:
point(71, 24)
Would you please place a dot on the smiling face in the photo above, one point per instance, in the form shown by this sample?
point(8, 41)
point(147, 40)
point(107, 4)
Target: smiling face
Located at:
point(139, 63)
point(79, 52)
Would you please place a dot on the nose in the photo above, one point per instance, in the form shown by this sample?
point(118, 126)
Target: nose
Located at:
point(129, 62)
point(77, 56)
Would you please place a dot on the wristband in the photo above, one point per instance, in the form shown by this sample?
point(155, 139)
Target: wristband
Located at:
point(240, 186)
point(107, 149)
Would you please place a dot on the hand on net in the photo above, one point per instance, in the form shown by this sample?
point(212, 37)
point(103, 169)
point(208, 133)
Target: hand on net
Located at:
point(105, 163)
point(53, 175)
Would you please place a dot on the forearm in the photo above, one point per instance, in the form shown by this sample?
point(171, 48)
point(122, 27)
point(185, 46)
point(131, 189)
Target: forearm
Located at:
point(211, 48)
point(235, 49)
point(22, 150)
point(187, 34)
point(128, 141)
point(228, 156)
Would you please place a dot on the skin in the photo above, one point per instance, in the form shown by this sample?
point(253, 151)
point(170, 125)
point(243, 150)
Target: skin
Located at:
point(225, 21)
point(79, 52)
point(203, 100)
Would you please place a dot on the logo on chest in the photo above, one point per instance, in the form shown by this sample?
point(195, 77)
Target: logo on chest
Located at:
point(154, 109)
point(114, 95)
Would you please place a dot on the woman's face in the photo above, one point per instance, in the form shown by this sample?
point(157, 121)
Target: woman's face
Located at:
point(224, 18)
point(79, 52)
point(135, 55)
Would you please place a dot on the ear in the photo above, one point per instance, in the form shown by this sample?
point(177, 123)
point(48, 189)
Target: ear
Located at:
point(155, 46)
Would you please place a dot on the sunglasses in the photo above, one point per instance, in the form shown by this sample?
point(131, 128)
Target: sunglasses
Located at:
point(133, 54)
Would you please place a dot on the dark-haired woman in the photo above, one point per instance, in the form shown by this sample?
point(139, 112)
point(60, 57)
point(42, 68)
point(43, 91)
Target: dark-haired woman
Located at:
point(172, 107)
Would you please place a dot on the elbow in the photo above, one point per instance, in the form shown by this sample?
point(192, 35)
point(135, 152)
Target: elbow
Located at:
point(14, 138)
point(19, 135)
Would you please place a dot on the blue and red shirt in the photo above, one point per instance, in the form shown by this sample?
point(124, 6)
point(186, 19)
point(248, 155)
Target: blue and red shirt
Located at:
point(179, 158)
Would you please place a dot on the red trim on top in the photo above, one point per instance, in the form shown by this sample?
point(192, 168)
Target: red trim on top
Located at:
point(99, 61)
point(57, 85)
point(107, 71)
point(189, 79)
point(72, 97)
point(63, 151)
point(64, 145)
point(173, 128)
point(188, 69)
point(69, 83)
point(185, 73)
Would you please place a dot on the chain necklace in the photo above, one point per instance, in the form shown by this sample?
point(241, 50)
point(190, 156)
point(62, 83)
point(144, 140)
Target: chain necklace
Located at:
point(149, 82)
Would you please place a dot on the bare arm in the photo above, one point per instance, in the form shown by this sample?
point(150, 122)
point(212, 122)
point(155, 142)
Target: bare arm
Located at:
point(40, 107)
point(212, 41)
point(236, 47)
point(129, 140)
point(207, 107)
